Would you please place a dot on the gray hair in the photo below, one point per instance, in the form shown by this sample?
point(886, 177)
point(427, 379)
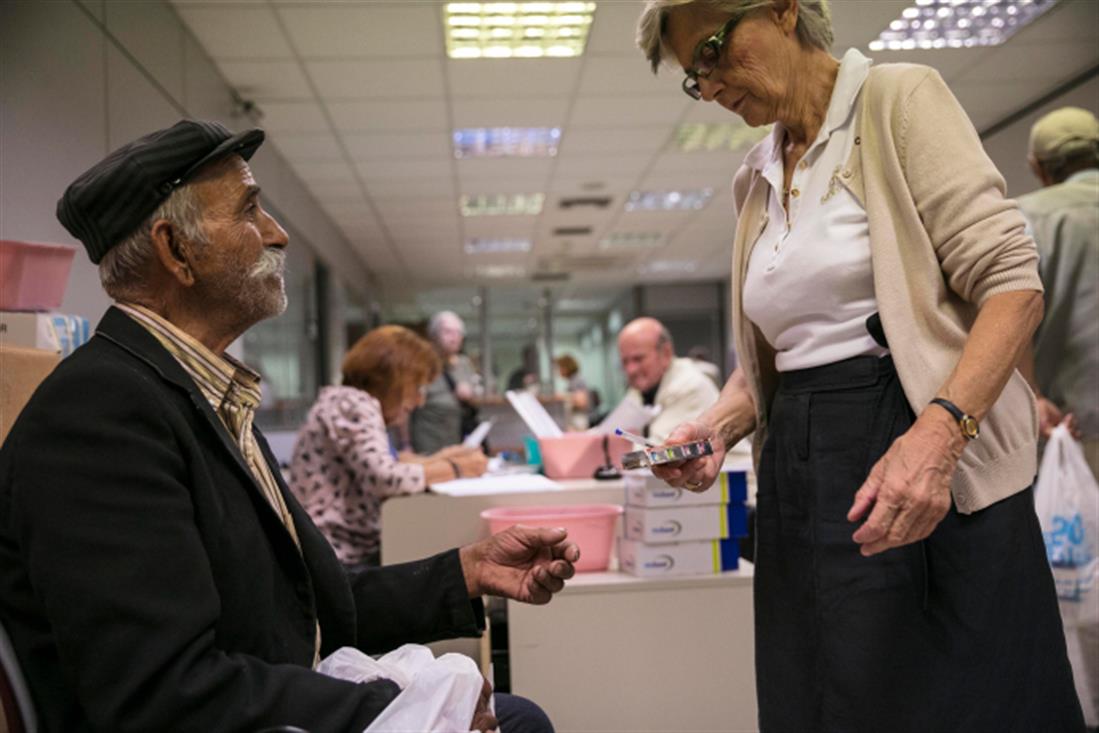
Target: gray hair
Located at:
point(437, 320)
point(814, 26)
point(123, 269)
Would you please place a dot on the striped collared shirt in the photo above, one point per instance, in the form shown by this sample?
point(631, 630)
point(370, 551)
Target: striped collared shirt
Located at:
point(233, 391)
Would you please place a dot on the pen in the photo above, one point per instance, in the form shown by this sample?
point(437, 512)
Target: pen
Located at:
point(635, 438)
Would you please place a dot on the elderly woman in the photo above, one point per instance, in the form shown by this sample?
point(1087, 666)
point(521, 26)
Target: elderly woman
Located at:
point(884, 289)
point(448, 412)
point(343, 466)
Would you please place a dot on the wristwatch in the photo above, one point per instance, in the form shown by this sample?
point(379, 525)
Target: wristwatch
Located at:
point(968, 423)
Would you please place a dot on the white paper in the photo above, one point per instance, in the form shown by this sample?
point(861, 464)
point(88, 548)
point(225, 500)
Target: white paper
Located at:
point(478, 435)
point(507, 484)
point(533, 414)
point(629, 415)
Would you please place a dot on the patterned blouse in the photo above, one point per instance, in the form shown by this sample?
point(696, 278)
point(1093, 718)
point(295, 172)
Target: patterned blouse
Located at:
point(343, 470)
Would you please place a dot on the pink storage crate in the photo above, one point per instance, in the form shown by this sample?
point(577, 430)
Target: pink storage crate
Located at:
point(591, 526)
point(577, 455)
point(33, 275)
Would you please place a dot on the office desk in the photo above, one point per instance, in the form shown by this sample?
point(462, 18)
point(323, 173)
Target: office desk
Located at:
point(423, 524)
point(613, 652)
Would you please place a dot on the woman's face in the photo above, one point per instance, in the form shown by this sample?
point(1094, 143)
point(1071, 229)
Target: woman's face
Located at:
point(412, 397)
point(757, 61)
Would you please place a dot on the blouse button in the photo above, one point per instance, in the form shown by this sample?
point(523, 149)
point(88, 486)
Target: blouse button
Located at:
point(794, 192)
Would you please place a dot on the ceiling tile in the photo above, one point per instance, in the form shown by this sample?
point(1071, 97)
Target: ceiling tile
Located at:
point(1071, 20)
point(539, 112)
point(391, 188)
point(219, 30)
point(324, 172)
point(398, 145)
point(408, 29)
point(620, 76)
point(612, 31)
point(262, 80)
point(857, 22)
point(337, 192)
point(598, 167)
point(512, 78)
point(293, 117)
point(493, 184)
point(1049, 63)
point(486, 227)
point(424, 207)
point(627, 111)
point(311, 147)
point(404, 168)
point(386, 78)
point(606, 140)
point(949, 62)
point(482, 169)
point(389, 115)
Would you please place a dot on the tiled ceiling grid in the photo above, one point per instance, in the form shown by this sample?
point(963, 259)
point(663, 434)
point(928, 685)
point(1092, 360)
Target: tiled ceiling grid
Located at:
point(361, 99)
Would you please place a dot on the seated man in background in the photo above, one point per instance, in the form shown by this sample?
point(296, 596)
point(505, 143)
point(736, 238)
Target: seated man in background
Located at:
point(657, 377)
point(155, 573)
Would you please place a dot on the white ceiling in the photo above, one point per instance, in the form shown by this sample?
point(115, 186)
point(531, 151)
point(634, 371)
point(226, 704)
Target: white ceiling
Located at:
point(360, 98)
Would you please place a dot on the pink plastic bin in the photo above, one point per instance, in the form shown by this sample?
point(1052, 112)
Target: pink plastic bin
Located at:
point(577, 455)
point(591, 526)
point(33, 275)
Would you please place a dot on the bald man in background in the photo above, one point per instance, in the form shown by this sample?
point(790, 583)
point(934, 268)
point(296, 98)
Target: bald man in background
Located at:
point(657, 377)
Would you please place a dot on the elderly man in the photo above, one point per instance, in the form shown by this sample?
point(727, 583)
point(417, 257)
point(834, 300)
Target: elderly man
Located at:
point(155, 573)
point(448, 412)
point(657, 377)
point(1064, 218)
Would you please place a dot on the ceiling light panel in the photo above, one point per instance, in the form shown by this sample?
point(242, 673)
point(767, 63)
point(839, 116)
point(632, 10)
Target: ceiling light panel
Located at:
point(500, 271)
point(500, 204)
point(691, 199)
point(697, 137)
point(497, 246)
point(503, 142)
point(517, 30)
point(669, 267)
point(958, 23)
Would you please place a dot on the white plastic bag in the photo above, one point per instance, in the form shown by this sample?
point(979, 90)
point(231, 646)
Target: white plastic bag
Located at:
point(1067, 501)
point(437, 695)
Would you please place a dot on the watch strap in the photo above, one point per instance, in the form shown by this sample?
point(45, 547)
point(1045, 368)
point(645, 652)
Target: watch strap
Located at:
point(966, 422)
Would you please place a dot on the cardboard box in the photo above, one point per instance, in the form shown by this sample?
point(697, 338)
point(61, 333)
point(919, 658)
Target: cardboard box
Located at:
point(685, 523)
point(644, 489)
point(21, 371)
point(28, 330)
point(678, 558)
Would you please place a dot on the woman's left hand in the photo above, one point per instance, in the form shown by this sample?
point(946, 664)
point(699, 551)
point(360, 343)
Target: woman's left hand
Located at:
point(909, 487)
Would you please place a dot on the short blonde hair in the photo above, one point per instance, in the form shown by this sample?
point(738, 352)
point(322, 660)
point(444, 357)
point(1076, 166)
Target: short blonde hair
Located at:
point(814, 26)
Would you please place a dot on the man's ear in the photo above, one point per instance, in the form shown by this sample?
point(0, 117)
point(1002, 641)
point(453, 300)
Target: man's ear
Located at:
point(172, 251)
point(785, 13)
point(1038, 171)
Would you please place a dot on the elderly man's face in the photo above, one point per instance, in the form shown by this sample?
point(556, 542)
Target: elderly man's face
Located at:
point(643, 361)
point(449, 336)
point(241, 264)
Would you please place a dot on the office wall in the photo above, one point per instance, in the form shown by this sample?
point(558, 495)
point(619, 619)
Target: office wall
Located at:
point(79, 78)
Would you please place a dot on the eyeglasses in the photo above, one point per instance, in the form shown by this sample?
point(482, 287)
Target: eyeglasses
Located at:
point(706, 57)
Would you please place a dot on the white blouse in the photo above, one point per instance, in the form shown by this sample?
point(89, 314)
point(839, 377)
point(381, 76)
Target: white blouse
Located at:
point(809, 286)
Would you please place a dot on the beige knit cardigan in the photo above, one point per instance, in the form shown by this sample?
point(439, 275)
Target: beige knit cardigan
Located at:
point(943, 239)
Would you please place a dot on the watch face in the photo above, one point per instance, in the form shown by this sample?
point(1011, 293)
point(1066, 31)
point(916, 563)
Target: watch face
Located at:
point(969, 427)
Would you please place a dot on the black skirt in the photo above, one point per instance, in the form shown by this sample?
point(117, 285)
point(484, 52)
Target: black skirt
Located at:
point(959, 632)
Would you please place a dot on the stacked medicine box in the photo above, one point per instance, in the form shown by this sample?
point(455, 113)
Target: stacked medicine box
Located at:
point(669, 531)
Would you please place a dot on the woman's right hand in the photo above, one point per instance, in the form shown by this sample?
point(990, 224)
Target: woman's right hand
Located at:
point(472, 462)
point(696, 474)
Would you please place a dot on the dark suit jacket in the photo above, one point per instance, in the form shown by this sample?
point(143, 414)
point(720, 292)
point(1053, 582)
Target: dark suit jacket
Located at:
point(148, 585)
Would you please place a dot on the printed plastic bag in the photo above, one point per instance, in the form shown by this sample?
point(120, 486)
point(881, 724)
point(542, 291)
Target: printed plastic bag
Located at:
point(1067, 502)
point(437, 695)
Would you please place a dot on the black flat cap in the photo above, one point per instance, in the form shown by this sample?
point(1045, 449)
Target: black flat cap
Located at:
point(113, 197)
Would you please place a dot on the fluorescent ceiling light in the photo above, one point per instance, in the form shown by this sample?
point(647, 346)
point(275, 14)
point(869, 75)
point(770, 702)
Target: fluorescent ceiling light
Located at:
point(615, 240)
point(496, 246)
point(496, 204)
point(958, 23)
point(502, 142)
point(668, 200)
point(522, 30)
point(500, 271)
point(693, 137)
point(668, 267)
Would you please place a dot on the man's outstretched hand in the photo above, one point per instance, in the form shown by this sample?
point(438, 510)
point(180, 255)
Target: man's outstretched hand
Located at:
point(527, 564)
